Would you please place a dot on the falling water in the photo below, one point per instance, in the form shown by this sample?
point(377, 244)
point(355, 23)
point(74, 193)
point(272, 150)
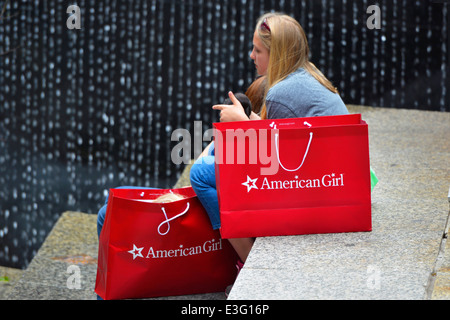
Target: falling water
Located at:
point(85, 110)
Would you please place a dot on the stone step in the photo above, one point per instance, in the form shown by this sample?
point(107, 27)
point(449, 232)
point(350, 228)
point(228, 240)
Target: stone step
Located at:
point(406, 256)
point(72, 242)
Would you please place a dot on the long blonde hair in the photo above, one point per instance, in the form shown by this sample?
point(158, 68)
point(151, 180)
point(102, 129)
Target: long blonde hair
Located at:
point(288, 50)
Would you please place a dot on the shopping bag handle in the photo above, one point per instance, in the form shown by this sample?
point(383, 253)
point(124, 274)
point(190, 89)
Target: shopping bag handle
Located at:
point(306, 152)
point(168, 220)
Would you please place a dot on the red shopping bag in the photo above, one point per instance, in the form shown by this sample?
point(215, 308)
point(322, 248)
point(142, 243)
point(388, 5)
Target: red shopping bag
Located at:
point(293, 176)
point(149, 249)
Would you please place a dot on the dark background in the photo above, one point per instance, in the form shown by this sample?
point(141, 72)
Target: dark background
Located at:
point(85, 110)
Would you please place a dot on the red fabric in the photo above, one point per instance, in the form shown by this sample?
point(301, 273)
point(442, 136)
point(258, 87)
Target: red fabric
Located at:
point(329, 192)
point(142, 255)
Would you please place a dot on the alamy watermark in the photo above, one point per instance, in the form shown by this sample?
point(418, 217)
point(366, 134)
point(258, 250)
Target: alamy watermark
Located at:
point(374, 20)
point(373, 277)
point(74, 20)
point(74, 279)
point(238, 146)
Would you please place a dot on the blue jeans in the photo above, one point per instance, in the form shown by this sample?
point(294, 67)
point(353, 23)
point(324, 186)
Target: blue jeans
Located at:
point(203, 181)
point(102, 212)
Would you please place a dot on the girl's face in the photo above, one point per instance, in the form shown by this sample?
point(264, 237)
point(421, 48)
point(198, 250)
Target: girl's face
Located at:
point(260, 55)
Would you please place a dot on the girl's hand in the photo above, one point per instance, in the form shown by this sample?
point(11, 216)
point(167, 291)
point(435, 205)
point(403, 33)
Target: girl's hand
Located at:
point(232, 112)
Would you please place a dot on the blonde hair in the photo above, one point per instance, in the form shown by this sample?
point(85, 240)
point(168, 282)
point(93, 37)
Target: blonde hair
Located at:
point(288, 50)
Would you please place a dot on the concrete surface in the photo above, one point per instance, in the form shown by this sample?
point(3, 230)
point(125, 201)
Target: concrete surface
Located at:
point(406, 256)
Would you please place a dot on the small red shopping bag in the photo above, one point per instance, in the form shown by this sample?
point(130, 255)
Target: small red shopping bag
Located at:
point(293, 176)
point(149, 249)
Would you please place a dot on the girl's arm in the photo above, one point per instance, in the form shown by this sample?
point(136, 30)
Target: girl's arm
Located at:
point(231, 112)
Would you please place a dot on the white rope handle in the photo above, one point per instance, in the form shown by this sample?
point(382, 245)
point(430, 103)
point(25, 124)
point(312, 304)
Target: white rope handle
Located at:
point(306, 152)
point(168, 220)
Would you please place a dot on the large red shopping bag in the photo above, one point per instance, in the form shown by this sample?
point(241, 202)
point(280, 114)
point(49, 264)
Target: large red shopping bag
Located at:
point(149, 249)
point(293, 176)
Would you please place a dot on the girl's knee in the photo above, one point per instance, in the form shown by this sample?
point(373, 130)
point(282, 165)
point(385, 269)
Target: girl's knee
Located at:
point(194, 174)
point(200, 169)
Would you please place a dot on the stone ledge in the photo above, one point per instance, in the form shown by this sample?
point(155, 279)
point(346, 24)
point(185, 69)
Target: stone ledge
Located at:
point(404, 257)
point(72, 241)
point(441, 286)
point(8, 278)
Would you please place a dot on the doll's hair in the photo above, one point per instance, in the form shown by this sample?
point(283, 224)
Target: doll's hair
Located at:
point(169, 197)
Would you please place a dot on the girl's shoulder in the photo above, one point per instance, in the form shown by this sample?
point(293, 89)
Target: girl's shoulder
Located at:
point(303, 95)
point(300, 77)
point(294, 86)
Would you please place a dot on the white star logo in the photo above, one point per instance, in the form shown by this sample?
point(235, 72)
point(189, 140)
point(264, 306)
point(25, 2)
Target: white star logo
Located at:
point(250, 184)
point(138, 250)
